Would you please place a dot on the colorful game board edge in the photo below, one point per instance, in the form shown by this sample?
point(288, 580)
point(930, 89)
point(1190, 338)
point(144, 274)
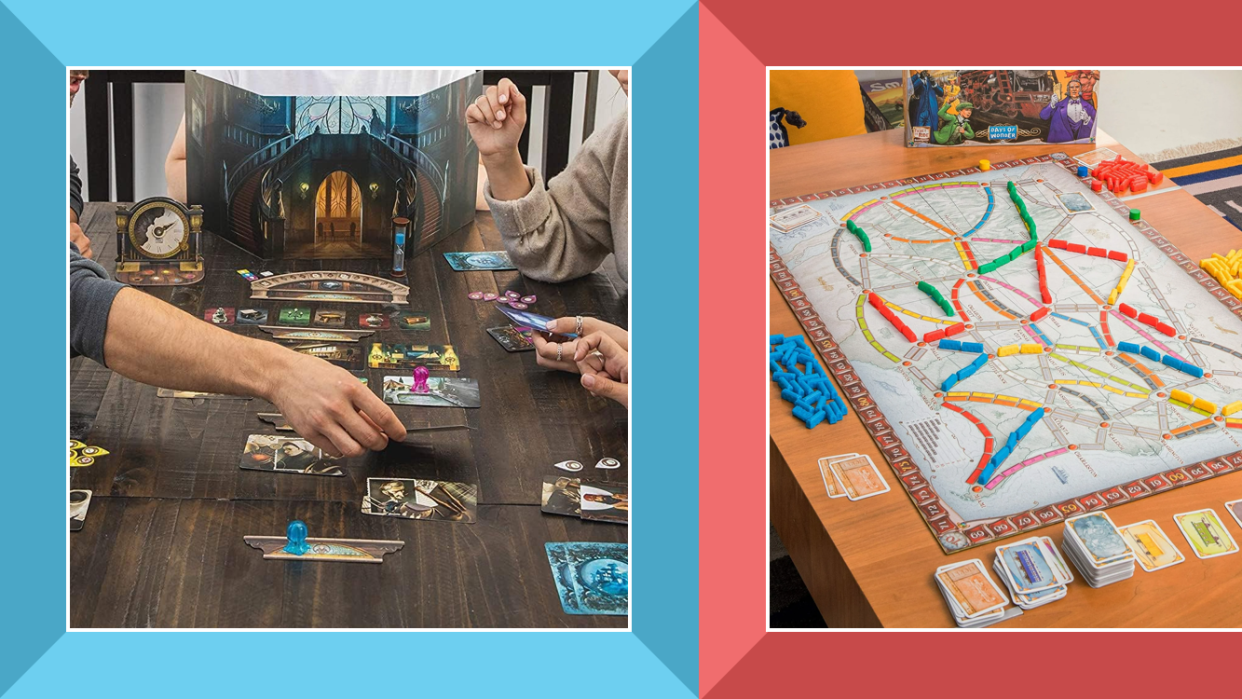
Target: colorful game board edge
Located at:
point(936, 515)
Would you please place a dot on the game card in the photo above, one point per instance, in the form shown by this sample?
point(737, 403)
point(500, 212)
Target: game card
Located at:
point(344, 356)
point(526, 319)
point(252, 316)
point(408, 356)
point(859, 477)
point(414, 498)
point(413, 320)
point(605, 502)
point(971, 588)
point(174, 393)
point(479, 261)
point(1098, 538)
point(329, 319)
point(373, 321)
point(441, 392)
point(1027, 568)
point(220, 315)
point(831, 484)
point(560, 496)
point(1150, 545)
point(1206, 533)
point(270, 452)
point(513, 338)
point(591, 578)
point(299, 316)
point(1235, 508)
point(79, 502)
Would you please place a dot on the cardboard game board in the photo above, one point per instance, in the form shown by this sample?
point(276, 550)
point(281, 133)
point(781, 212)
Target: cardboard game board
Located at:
point(1077, 404)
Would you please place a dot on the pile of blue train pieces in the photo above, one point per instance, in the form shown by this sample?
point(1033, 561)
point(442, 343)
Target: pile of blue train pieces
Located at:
point(809, 389)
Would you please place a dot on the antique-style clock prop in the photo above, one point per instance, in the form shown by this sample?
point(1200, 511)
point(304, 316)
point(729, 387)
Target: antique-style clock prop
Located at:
point(157, 243)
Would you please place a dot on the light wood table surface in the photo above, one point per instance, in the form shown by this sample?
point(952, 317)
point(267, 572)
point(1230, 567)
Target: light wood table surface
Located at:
point(870, 563)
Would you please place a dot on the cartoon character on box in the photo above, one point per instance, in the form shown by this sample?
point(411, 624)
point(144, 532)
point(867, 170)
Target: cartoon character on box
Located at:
point(1088, 79)
point(956, 128)
point(1070, 118)
point(923, 105)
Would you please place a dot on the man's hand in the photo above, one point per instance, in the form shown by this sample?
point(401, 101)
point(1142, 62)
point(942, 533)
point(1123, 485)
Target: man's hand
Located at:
point(78, 238)
point(613, 381)
point(331, 408)
point(496, 119)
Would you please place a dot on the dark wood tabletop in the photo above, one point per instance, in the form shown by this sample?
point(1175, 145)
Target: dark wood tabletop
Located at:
point(162, 544)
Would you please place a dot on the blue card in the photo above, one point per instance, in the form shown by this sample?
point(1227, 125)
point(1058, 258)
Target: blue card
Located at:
point(526, 319)
point(479, 261)
point(1028, 569)
point(1099, 537)
point(591, 578)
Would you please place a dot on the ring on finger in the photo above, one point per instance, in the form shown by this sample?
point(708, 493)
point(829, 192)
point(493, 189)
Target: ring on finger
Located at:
point(577, 325)
point(560, 349)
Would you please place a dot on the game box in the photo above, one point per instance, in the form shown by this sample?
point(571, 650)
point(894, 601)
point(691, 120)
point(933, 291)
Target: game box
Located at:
point(994, 107)
point(323, 177)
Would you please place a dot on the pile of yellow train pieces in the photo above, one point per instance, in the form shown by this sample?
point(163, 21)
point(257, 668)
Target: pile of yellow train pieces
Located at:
point(1225, 269)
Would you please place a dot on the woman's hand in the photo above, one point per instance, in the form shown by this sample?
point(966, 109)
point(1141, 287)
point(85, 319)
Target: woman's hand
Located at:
point(496, 119)
point(560, 355)
point(614, 378)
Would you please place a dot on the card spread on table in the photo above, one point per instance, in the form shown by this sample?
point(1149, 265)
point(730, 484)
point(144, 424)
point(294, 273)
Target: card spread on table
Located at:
point(1150, 545)
point(561, 496)
point(591, 578)
point(1206, 533)
point(1235, 508)
point(513, 338)
point(606, 502)
point(284, 454)
point(441, 392)
point(831, 484)
point(858, 476)
point(413, 498)
point(479, 261)
point(79, 503)
point(971, 588)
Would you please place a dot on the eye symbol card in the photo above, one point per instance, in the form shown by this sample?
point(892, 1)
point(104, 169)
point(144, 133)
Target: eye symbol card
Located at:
point(269, 452)
point(591, 578)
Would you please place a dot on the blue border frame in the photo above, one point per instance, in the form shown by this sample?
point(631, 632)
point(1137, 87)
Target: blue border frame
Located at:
point(660, 40)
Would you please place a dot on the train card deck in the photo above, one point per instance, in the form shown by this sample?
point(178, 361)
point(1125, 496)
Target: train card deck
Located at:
point(413, 498)
point(281, 454)
point(591, 578)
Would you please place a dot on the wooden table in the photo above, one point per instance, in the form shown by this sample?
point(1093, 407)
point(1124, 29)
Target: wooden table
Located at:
point(162, 544)
point(870, 563)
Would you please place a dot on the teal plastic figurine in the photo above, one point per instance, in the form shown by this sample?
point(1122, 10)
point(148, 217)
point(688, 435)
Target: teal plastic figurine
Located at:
point(296, 538)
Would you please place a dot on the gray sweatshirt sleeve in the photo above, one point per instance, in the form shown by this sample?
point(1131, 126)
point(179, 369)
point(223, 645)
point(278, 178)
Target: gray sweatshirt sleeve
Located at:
point(90, 299)
point(75, 188)
point(564, 231)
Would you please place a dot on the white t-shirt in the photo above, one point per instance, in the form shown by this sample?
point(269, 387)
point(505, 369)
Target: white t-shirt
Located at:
point(324, 83)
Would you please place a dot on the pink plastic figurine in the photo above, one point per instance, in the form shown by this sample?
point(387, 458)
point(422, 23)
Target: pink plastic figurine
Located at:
point(420, 380)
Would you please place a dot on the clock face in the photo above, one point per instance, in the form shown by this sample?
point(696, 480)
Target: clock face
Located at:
point(158, 231)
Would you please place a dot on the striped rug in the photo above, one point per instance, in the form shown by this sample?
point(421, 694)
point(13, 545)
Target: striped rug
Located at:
point(1213, 178)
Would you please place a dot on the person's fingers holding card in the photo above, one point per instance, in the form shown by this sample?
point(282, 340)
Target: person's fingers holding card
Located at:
point(585, 325)
point(555, 355)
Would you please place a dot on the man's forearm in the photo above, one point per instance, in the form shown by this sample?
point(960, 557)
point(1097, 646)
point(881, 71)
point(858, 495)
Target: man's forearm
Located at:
point(506, 176)
point(158, 344)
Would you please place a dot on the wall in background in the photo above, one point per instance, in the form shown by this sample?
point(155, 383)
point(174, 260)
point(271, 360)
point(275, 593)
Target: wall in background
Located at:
point(158, 110)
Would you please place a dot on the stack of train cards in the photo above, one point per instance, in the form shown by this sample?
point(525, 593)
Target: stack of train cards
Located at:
point(1033, 571)
point(1097, 549)
point(973, 596)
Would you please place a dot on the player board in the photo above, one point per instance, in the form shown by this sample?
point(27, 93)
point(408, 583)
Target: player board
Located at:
point(1057, 418)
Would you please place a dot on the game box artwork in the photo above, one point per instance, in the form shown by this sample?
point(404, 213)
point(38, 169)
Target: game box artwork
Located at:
point(990, 107)
point(312, 177)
